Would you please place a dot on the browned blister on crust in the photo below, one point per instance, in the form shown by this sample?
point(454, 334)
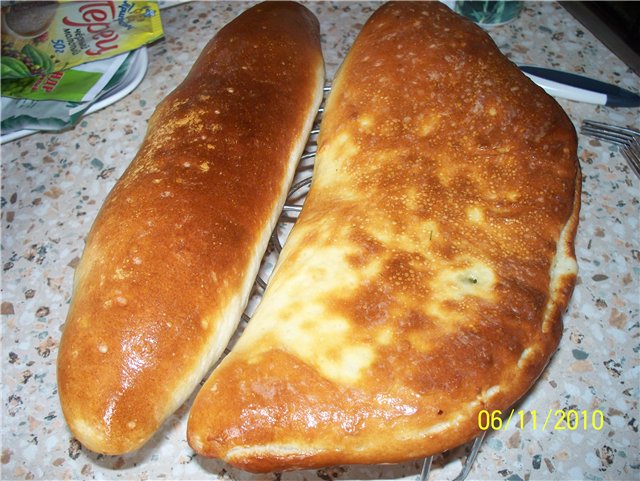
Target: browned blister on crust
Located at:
point(426, 277)
point(171, 258)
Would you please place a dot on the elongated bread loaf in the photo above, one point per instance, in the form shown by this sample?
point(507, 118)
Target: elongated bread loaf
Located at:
point(171, 259)
point(425, 279)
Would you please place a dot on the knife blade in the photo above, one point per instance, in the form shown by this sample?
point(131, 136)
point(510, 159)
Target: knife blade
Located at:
point(579, 88)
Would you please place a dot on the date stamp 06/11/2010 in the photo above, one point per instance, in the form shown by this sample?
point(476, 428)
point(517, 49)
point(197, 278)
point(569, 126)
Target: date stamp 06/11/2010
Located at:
point(553, 419)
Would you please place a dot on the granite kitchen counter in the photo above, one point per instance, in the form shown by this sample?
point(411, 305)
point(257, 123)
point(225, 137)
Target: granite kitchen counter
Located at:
point(54, 183)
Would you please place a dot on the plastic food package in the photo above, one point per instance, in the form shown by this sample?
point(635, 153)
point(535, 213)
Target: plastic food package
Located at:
point(78, 84)
point(53, 115)
point(47, 36)
point(64, 59)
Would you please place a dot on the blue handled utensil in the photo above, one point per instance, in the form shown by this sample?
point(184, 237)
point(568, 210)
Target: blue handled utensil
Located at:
point(579, 88)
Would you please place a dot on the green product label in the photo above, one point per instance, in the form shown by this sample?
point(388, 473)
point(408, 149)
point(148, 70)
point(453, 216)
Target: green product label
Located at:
point(43, 37)
point(68, 85)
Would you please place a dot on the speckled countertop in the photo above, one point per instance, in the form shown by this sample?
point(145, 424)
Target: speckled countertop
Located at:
point(54, 184)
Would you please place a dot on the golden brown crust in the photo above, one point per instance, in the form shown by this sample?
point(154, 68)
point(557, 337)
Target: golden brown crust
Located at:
point(171, 258)
point(425, 279)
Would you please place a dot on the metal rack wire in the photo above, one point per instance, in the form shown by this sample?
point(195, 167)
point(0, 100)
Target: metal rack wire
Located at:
point(290, 211)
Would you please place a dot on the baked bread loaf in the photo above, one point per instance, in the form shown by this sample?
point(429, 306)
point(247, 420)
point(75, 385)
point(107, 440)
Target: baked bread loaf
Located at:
point(426, 276)
point(172, 256)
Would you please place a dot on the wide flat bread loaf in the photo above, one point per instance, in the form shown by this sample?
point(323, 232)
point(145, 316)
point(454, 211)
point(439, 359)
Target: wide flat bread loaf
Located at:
point(172, 256)
point(426, 276)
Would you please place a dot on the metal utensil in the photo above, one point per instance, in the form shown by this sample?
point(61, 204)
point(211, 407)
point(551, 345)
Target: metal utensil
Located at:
point(626, 138)
point(631, 152)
